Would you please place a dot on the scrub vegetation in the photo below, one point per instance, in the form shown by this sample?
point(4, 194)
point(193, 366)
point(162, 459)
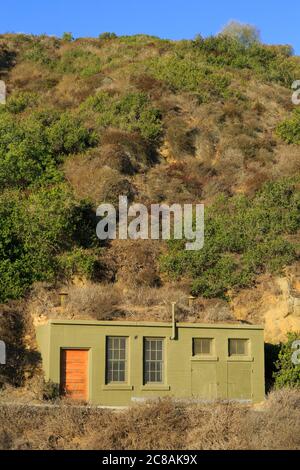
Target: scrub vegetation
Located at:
point(88, 119)
point(163, 424)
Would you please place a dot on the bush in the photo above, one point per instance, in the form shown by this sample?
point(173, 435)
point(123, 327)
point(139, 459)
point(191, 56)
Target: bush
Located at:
point(140, 152)
point(67, 37)
point(288, 374)
point(18, 102)
point(158, 424)
point(116, 157)
point(41, 53)
point(79, 61)
point(96, 182)
point(50, 391)
point(31, 148)
point(67, 135)
point(267, 62)
point(107, 36)
point(271, 357)
point(184, 73)
point(243, 238)
point(289, 130)
point(244, 33)
point(131, 112)
point(80, 262)
point(34, 230)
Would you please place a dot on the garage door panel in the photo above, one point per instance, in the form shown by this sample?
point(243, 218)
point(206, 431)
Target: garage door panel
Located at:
point(239, 377)
point(204, 381)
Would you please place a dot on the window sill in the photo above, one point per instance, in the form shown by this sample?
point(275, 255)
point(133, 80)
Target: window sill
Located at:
point(117, 386)
point(240, 358)
point(154, 387)
point(204, 358)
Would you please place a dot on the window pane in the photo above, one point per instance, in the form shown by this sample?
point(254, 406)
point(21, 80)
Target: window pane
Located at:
point(121, 377)
point(202, 346)
point(122, 353)
point(153, 360)
point(115, 359)
point(238, 346)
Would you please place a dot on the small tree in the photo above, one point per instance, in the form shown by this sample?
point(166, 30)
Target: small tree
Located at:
point(246, 34)
point(288, 373)
point(107, 35)
point(67, 37)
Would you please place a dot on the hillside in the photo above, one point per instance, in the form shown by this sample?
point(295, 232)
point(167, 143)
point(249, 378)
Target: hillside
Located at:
point(204, 120)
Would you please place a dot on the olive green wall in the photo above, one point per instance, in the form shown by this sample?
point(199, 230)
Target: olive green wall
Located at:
point(209, 377)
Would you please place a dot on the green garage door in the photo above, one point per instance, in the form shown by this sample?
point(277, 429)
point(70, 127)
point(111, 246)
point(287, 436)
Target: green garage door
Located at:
point(204, 380)
point(239, 380)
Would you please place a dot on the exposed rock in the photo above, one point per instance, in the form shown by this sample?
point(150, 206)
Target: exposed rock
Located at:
point(274, 302)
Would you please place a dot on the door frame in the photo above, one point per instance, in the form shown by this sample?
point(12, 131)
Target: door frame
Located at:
point(88, 368)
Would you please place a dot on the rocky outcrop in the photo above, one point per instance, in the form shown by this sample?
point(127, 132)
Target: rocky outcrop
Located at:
point(273, 302)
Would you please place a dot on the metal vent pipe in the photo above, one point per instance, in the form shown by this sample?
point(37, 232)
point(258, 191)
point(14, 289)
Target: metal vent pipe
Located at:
point(173, 322)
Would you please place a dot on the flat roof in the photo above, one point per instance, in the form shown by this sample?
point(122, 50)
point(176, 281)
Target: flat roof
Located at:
point(158, 324)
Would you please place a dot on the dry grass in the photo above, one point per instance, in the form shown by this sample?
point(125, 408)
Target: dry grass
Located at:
point(133, 297)
point(135, 261)
point(160, 424)
point(99, 301)
point(92, 179)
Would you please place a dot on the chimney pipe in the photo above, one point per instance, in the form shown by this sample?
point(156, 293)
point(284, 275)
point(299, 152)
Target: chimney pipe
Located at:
point(62, 298)
point(173, 322)
point(191, 300)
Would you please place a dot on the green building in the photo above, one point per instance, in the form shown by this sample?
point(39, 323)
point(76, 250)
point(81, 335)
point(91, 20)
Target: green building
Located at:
point(118, 362)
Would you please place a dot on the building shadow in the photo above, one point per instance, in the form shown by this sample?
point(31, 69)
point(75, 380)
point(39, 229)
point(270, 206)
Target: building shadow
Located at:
point(271, 356)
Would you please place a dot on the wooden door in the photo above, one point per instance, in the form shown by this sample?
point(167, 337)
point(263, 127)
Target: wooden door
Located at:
point(74, 373)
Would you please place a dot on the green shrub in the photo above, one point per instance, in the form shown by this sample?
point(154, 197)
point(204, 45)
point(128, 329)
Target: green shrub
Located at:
point(79, 262)
point(68, 135)
point(67, 37)
point(267, 62)
point(18, 102)
point(271, 357)
point(79, 61)
point(184, 73)
point(288, 374)
point(243, 238)
point(40, 53)
point(32, 147)
point(34, 230)
point(107, 35)
point(131, 112)
point(289, 130)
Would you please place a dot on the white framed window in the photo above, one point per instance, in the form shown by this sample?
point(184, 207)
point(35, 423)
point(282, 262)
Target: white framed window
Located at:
point(116, 359)
point(153, 360)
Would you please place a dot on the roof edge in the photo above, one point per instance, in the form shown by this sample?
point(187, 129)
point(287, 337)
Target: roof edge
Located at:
point(157, 324)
